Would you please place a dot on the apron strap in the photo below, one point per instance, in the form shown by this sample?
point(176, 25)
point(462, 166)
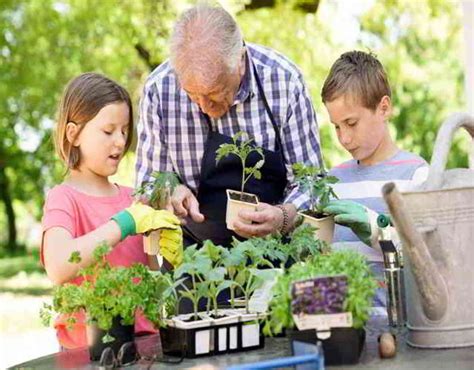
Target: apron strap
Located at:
point(269, 112)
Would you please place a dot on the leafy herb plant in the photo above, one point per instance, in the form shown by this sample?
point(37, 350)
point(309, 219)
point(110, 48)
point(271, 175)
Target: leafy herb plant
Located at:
point(242, 149)
point(313, 180)
point(108, 292)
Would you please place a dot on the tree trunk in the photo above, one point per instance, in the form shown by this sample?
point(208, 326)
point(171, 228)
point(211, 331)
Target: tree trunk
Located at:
point(5, 197)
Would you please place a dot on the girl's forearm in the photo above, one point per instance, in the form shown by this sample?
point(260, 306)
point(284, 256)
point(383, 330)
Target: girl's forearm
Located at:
point(59, 244)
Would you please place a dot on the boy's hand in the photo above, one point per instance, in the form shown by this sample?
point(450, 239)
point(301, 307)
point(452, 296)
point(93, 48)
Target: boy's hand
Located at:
point(355, 216)
point(139, 219)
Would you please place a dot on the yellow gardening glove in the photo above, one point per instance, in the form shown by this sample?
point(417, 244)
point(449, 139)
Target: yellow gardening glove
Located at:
point(140, 218)
point(171, 245)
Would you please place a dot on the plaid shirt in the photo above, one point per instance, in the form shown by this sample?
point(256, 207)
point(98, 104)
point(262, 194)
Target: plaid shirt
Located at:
point(172, 130)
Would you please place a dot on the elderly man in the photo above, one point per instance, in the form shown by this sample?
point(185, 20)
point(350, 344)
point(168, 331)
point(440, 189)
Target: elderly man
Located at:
point(213, 86)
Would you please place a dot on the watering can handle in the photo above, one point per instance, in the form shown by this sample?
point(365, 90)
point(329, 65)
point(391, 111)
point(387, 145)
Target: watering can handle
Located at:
point(443, 144)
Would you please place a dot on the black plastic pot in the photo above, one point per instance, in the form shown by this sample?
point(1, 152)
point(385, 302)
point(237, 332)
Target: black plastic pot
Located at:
point(220, 339)
point(122, 334)
point(343, 347)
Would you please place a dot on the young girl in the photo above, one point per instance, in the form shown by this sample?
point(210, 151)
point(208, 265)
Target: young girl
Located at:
point(94, 130)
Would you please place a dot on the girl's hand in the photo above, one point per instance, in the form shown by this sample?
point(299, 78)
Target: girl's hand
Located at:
point(139, 219)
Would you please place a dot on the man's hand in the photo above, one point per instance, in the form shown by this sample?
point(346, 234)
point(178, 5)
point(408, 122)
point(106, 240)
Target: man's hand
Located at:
point(185, 204)
point(267, 219)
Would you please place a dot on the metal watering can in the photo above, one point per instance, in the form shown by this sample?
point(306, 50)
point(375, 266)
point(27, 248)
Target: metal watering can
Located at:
point(435, 223)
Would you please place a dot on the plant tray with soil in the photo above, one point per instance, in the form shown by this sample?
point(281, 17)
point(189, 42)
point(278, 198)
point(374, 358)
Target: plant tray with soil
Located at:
point(207, 336)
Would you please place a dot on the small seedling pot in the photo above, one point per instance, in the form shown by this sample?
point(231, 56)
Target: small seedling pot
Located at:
point(237, 201)
point(342, 347)
point(324, 226)
point(151, 243)
point(121, 333)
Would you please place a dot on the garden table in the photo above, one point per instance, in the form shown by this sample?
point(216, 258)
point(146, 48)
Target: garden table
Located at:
point(406, 358)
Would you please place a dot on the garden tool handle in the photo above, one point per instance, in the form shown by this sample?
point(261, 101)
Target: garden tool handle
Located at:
point(443, 144)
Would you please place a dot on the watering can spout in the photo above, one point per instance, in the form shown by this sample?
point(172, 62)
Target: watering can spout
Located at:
point(431, 284)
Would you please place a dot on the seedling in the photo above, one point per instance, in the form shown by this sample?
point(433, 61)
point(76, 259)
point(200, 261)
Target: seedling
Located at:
point(242, 149)
point(215, 276)
point(156, 193)
point(195, 265)
point(312, 179)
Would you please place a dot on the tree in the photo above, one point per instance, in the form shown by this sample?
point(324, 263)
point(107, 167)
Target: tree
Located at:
point(43, 44)
point(420, 45)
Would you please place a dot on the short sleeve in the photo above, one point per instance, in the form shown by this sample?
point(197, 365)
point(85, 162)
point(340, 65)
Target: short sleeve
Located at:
point(58, 211)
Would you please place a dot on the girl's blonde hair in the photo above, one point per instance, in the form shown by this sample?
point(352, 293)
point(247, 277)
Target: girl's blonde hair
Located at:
point(83, 97)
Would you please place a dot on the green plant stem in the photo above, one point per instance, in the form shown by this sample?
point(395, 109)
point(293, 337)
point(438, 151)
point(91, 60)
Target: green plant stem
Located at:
point(214, 302)
point(243, 179)
point(232, 296)
point(196, 299)
point(247, 293)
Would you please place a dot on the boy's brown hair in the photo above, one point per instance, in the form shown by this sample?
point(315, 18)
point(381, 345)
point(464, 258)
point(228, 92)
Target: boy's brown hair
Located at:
point(358, 75)
point(83, 97)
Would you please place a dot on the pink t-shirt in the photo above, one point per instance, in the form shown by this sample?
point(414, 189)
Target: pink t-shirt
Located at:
point(80, 213)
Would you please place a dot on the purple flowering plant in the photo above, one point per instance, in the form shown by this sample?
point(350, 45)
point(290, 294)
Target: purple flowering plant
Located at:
point(321, 295)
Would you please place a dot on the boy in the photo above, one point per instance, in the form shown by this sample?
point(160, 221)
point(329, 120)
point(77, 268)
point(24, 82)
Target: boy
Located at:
point(357, 96)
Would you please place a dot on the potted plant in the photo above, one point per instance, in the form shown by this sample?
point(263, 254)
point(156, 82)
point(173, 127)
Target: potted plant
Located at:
point(238, 200)
point(156, 194)
point(313, 180)
point(109, 296)
point(344, 344)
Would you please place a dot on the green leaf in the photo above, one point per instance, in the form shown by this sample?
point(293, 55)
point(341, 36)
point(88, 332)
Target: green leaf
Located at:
point(75, 257)
point(259, 164)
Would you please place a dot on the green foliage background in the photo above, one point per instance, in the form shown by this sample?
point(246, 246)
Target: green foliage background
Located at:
point(44, 43)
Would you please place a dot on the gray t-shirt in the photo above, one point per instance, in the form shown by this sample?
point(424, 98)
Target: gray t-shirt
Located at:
point(363, 184)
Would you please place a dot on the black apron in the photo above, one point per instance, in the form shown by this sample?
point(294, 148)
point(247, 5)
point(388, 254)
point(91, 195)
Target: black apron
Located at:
point(227, 174)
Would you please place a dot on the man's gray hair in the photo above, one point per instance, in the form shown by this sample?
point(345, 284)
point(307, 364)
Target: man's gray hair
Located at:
point(206, 42)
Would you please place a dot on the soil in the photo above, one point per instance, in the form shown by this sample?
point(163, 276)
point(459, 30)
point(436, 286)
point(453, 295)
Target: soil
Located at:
point(216, 317)
point(193, 318)
point(315, 214)
point(243, 197)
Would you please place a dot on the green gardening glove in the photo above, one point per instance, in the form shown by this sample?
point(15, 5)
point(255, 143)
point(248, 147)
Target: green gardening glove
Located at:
point(355, 216)
point(140, 218)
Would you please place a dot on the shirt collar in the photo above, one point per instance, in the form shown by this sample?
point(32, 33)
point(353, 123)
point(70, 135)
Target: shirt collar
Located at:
point(248, 84)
